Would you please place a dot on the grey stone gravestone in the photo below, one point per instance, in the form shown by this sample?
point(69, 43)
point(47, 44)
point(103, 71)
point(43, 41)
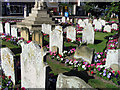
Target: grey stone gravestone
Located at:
point(85, 53)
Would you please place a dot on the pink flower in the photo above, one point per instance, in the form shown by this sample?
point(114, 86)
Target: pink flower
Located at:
point(83, 62)
point(113, 71)
point(92, 64)
point(88, 65)
point(98, 63)
point(101, 53)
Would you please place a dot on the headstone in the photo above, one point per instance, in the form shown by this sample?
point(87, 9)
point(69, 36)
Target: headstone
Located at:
point(64, 81)
point(71, 33)
point(88, 34)
point(107, 28)
point(33, 69)
point(94, 21)
point(103, 22)
point(85, 53)
point(7, 63)
point(82, 24)
point(79, 21)
point(86, 21)
point(114, 26)
point(1, 27)
point(14, 31)
point(56, 39)
point(25, 11)
point(25, 33)
point(70, 20)
point(38, 37)
point(98, 25)
point(113, 59)
point(7, 28)
point(63, 19)
point(46, 28)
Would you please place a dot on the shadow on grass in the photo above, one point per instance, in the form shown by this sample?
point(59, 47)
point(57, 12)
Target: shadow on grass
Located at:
point(81, 74)
point(97, 41)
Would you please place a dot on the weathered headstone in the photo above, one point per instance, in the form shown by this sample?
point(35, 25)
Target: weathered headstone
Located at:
point(33, 69)
point(1, 27)
point(94, 21)
point(14, 31)
point(86, 21)
point(64, 81)
point(63, 19)
point(103, 22)
point(114, 26)
point(113, 59)
point(25, 33)
point(7, 63)
point(7, 28)
point(71, 33)
point(98, 25)
point(85, 53)
point(88, 34)
point(82, 24)
point(107, 28)
point(79, 21)
point(56, 39)
point(46, 28)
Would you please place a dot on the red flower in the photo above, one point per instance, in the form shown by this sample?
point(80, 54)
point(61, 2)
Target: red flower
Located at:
point(113, 71)
point(29, 41)
point(2, 33)
point(9, 77)
point(22, 88)
point(92, 72)
point(60, 55)
point(8, 38)
point(3, 77)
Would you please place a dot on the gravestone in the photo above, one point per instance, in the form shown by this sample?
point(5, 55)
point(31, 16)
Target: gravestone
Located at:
point(86, 21)
point(98, 25)
point(7, 63)
point(113, 59)
point(25, 33)
point(94, 21)
point(7, 28)
point(64, 81)
point(85, 53)
point(33, 68)
point(71, 20)
point(38, 37)
point(79, 21)
point(14, 31)
point(88, 34)
point(114, 26)
point(82, 24)
point(1, 27)
point(56, 39)
point(103, 22)
point(46, 28)
point(63, 19)
point(71, 33)
point(107, 28)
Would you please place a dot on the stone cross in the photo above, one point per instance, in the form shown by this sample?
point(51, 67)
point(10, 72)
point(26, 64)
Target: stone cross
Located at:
point(38, 4)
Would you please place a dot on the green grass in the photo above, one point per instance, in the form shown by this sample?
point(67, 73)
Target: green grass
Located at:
point(66, 44)
point(57, 68)
point(95, 83)
point(99, 47)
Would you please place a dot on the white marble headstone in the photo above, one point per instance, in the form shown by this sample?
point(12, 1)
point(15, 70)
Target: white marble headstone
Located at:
point(7, 28)
point(46, 28)
point(7, 63)
point(86, 21)
point(56, 39)
point(94, 21)
point(63, 19)
point(113, 57)
point(98, 25)
point(64, 81)
point(82, 24)
point(1, 27)
point(71, 33)
point(88, 34)
point(33, 69)
point(103, 22)
point(79, 21)
point(14, 31)
point(114, 26)
point(107, 28)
